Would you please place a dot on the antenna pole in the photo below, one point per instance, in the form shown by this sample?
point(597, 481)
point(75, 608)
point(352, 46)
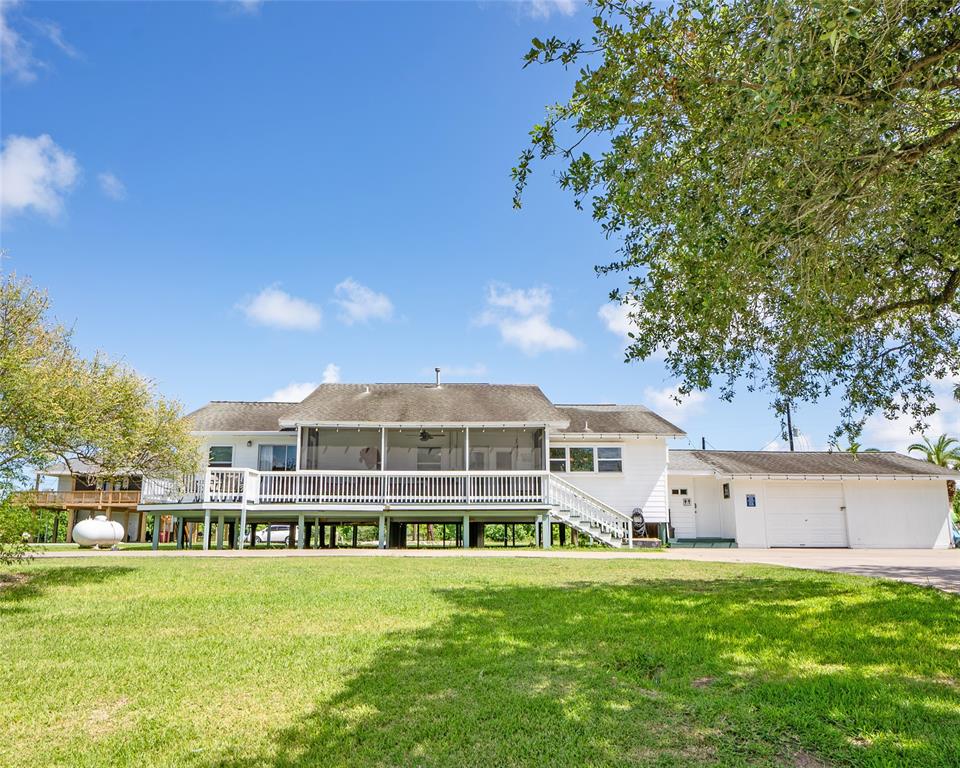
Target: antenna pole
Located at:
point(703, 443)
point(789, 426)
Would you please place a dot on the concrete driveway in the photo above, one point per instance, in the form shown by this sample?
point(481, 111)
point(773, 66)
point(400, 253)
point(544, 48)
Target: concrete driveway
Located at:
point(939, 568)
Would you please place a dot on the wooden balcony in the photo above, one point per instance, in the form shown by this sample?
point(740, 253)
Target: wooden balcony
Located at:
point(77, 499)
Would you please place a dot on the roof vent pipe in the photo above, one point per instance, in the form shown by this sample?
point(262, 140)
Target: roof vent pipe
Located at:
point(437, 370)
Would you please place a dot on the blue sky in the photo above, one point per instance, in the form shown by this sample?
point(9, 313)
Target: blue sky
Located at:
point(245, 198)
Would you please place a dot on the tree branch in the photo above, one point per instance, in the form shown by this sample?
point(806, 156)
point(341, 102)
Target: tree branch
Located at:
point(946, 295)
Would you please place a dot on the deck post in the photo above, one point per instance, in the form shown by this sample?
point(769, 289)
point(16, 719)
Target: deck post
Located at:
point(179, 532)
point(206, 529)
point(71, 521)
point(354, 536)
point(466, 531)
point(333, 536)
point(300, 529)
point(382, 542)
point(219, 531)
point(547, 533)
point(157, 518)
point(536, 531)
point(242, 527)
point(316, 532)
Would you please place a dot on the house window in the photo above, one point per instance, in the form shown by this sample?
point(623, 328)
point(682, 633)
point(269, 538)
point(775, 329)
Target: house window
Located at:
point(428, 459)
point(221, 456)
point(609, 460)
point(277, 458)
point(726, 490)
point(558, 459)
point(581, 459)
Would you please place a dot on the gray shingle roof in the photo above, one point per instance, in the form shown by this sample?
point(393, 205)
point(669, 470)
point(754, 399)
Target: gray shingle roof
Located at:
point(425, 403)
point(616, 419)
point(233, 416)
point(806, 463)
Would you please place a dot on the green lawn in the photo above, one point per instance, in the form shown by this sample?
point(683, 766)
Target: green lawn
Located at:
point(462, 661)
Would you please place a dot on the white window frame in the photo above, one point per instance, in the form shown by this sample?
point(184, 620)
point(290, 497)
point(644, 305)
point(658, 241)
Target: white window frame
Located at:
point(288, 446)
point(567, 464)
point(219, 464)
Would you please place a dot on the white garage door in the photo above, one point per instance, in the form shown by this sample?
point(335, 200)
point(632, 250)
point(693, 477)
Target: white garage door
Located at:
point(805, 514)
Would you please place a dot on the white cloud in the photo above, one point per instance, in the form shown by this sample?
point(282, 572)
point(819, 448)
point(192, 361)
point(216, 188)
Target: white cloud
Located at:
point(278, 309)
point(17, 59)
point(296, 391)
point(111, 186)
point(360, 304)
point(251, 7)
point(35, 173)
point(16, 55)
point(544, 9)
point(664, 402)
point(617, 319)
point(523, 318)
point(895, 434)
point(331, 374)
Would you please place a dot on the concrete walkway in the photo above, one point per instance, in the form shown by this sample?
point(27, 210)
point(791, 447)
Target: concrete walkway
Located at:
point(939, 568)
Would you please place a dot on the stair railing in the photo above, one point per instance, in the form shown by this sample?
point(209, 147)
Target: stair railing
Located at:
point(590, 509)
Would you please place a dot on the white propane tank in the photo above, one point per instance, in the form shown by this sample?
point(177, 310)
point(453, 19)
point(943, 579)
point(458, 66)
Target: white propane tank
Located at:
point(98, 532)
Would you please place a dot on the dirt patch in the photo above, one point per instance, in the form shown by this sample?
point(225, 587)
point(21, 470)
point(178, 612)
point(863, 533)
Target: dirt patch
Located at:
point(801, 759)
point(703, 682)
point(104, 720)
point(8, 580)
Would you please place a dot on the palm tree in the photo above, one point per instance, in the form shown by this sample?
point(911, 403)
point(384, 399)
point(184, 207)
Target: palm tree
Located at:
point(945, 452)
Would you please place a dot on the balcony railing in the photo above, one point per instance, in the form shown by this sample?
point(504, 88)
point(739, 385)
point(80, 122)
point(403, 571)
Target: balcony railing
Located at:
point(239, 486)
point(78, 498)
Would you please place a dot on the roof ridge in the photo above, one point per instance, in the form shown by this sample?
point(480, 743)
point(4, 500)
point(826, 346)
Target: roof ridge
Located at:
point(255, 402)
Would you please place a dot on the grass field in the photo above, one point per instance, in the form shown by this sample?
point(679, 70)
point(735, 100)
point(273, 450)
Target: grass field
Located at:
point(239, 662)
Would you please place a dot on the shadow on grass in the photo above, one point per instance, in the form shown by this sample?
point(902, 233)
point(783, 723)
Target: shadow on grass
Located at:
point(802, 671)
point(17, 588)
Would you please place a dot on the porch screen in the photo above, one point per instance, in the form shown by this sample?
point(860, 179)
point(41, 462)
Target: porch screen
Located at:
point(346, 449)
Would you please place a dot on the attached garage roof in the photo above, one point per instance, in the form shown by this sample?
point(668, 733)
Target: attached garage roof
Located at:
point(233, 416)
point(615, 420)
point(425, 404)
point(806, 463)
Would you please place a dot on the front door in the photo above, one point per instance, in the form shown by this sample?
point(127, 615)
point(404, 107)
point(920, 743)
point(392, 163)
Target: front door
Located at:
point(682, 511)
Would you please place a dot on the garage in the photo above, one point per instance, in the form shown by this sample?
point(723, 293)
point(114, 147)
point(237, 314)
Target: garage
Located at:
point(810, 499)
point(805, 514)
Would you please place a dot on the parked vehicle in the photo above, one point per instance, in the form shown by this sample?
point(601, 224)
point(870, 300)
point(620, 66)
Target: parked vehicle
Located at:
point(275, 534)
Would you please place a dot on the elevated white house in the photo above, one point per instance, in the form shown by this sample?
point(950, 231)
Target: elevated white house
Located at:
point(393, 454)
point(390, 455)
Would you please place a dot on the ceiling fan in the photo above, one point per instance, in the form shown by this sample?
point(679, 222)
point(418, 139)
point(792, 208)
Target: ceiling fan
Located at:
point(426, 436)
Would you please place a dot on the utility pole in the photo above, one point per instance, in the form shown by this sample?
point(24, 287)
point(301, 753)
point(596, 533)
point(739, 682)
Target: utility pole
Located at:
point(703, 443)
point(789, 427)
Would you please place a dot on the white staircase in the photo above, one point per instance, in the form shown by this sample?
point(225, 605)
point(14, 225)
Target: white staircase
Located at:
point(587, 514)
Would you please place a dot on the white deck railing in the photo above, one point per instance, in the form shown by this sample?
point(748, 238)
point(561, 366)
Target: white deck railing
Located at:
point(238, 486)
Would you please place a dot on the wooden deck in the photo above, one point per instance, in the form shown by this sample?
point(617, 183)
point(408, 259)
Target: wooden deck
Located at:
point(78, 499)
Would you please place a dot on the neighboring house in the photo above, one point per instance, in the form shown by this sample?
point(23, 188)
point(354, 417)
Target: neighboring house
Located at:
point(82, 493)
point(391, 455)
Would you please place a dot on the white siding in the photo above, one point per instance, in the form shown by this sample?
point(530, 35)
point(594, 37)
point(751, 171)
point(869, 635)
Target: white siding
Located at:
point(879, 513)
point(643, 482)
point(898, 513)
point(246, 456)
